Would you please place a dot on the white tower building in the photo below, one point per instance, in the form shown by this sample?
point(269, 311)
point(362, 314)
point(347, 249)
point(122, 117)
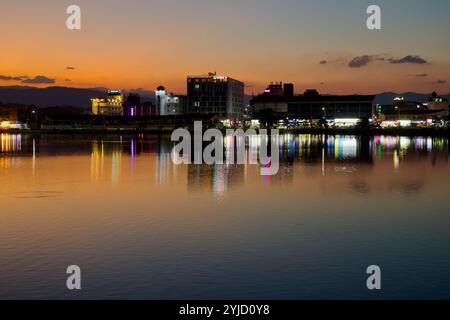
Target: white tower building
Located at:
point(161, 101)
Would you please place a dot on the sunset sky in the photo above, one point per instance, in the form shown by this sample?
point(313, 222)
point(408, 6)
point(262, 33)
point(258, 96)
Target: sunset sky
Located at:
point(321, 44)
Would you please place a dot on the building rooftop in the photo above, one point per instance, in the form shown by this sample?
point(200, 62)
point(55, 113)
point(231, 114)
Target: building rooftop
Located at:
point(211, 76)
point(312, 96)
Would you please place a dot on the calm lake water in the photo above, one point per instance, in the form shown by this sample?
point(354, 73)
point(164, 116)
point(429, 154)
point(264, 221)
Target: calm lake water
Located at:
point(141, 227)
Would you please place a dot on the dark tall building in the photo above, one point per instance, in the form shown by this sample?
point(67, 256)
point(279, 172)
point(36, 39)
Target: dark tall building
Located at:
point(133, 99)
point(278, 89)
point(213, 94)
point(288, 90)
point(133, 107)
point(275, 89)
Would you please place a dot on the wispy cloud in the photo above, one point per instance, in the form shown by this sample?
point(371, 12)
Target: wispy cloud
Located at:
point(413, 59)
point(332, 61)
point(421, 75)
point(39, 80)
point(12, 78)
point(70, 68)
point(27, 80)
point(364, 60)
point(441, 82)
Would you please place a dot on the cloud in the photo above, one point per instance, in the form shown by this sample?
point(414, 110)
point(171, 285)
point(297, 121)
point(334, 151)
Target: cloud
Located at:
point(364, 60)
point(421, 75)
point(70, 68)
point(332, 61)
point(12, 78)
point(441, 82)
point(360, 61)
point(408, 59)
point(39, 80)
point(28, 80)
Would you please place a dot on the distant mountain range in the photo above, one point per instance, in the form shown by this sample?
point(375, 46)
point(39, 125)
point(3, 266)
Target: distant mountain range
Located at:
point(57, 96)
point(76, 97)
point(47, 97)
point(388, 97)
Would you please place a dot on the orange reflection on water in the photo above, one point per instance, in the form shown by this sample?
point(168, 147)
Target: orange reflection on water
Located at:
point(127, 162)
point(10, 142)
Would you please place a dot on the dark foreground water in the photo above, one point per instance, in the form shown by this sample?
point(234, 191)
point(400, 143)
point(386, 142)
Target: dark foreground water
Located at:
point(141, 227)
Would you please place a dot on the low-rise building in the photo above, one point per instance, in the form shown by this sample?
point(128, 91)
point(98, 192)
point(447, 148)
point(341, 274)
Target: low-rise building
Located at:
point(169, 104)
point(8, 113)
point(9, 118)
point(112, 105)
point(437, 103)
point(405, 113)
point(312, 105)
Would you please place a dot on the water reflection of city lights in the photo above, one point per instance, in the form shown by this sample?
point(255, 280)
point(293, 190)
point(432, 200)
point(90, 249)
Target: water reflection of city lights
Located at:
point(33, 164)
point(346, 147)
point(133, 148)
point(396, 159)
point(10, 142)
point(405, 143)
point(97, 159)
point(116, 162)
point(220, 175)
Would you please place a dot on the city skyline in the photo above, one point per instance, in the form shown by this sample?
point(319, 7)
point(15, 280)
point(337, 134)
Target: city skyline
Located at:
point(144, 44)
point(228, 158)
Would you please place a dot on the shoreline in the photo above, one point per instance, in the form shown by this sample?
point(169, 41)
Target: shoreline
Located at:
point(431, 132)
point(434, 132)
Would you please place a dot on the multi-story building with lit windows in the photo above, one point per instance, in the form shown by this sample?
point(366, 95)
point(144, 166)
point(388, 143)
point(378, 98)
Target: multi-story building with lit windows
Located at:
point(112, 105)
point(168, 104)
point(213, 94)
point(436, 102)
point(9, 118)
point(311, 105)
